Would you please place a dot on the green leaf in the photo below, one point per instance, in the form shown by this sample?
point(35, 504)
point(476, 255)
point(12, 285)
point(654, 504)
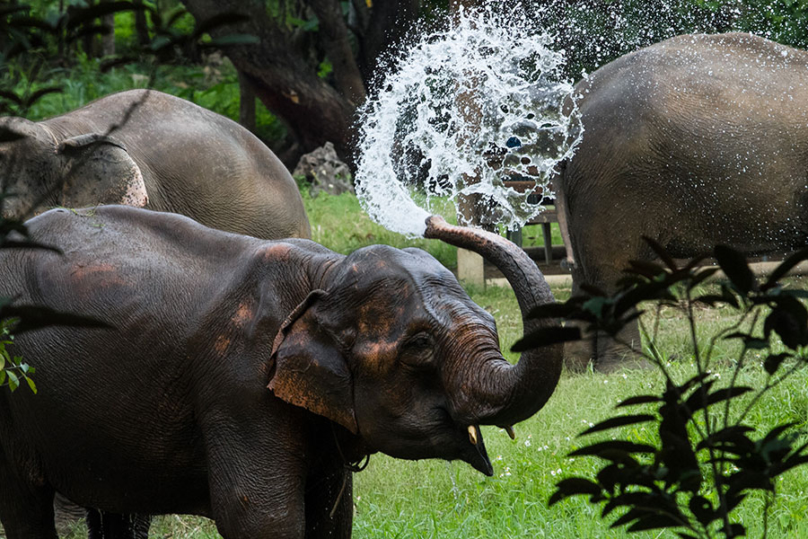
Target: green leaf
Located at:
point(620, 421)
point(574, 486)
point(789, 319)
point(784, 267)
point(546, 337)
point(735, 267)
point(639, 399)
point(749, 341)
point(661, 252)
point(614, 450)
point(701, 276)
point(31, 384)
point(13, 381)
point(773, 362)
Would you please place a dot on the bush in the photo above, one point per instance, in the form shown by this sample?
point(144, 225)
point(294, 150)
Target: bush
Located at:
point(706, 459)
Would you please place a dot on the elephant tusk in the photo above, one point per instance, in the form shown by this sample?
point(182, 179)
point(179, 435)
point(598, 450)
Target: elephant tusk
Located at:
point(473, 434)
point(511, 433)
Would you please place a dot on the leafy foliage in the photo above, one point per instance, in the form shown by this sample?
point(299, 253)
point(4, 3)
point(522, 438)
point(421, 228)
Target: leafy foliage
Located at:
point(12, 368)
point(594, 33)
point(707, 460)
point(28, 40)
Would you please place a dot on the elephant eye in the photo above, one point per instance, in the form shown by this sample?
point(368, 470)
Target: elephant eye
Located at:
point(418, 350)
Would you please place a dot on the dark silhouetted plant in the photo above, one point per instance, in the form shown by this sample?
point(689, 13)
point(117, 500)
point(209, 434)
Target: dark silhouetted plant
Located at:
point(707, 459)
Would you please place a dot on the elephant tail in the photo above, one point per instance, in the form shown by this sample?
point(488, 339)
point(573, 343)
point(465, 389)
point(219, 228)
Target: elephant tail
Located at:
point(562, 209)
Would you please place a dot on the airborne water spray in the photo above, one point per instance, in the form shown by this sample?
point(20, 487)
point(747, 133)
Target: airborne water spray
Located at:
point(467, 109)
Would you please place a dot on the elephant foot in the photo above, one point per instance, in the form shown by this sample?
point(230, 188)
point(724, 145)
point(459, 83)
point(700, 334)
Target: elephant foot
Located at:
point(621, 353)
point(616, 361)
point(606, 354)
point(578, 355)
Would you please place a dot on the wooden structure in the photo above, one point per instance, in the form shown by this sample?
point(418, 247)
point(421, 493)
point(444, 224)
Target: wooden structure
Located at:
point(470, 266)
point(544, 218)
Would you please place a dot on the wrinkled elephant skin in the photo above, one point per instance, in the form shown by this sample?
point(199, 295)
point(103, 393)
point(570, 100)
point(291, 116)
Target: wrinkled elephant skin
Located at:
point(696, 141)
point(240, 376)
point(149, 149)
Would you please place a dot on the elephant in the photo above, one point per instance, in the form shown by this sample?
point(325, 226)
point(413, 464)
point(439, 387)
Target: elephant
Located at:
point(695, 141)
point(243, 379)
point(149, 149)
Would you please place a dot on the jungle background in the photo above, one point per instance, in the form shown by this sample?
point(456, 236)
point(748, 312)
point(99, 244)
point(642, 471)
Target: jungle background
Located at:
point(298, 86)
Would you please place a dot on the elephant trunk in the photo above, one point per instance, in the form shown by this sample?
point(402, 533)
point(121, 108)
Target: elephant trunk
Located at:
point(495, 391)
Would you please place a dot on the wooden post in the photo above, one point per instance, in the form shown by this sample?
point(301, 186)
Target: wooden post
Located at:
point(470, 265)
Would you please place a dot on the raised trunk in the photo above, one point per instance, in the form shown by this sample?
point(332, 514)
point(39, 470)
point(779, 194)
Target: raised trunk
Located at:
point(503, 394)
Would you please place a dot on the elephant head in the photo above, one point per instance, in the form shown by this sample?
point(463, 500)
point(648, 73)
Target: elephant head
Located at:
point(392, 348)
point(38, 170)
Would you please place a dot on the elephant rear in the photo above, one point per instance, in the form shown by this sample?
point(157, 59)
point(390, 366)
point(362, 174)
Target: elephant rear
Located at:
point(195, 162)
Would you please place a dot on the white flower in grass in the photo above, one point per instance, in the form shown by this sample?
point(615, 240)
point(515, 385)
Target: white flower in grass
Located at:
point(527, 442)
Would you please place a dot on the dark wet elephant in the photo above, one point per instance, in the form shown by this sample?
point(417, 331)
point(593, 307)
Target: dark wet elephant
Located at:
point(148, 149)
point(244, 376)
point(695, 141)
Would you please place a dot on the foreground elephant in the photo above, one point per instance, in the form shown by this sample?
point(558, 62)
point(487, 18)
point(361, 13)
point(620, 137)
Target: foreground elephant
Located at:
point(695, 141)
point(149, 149)
point(243, 376)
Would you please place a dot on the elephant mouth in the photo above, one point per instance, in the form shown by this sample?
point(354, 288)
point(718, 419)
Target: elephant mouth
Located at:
point(474, 452)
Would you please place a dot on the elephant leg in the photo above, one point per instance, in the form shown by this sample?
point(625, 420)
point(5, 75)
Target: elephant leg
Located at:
point(607, 353)
point(624, 351)
point(254, 505)
point(578, 354)
point(329, 505)
point(256, 481)
point(26, 510)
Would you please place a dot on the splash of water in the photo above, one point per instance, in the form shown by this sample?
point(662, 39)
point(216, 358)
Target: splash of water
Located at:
point(470, 108)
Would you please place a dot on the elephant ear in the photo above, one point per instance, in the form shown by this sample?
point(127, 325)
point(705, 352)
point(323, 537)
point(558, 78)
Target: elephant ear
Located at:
point(309, 368)
point(100, 171)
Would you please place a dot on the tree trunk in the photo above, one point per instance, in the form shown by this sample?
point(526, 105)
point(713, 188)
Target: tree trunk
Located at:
point(89, 40)
point(108, 39)
point(313, 111)
point(246, 108)
point(386, 27)
point(334, 37)
point(141, 27)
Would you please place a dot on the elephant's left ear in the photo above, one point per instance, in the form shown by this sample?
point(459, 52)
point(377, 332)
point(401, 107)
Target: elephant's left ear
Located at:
point(309, 369)
point(100, 171)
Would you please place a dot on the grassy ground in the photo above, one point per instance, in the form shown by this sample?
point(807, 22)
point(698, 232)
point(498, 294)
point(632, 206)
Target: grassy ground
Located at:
point(432, 499)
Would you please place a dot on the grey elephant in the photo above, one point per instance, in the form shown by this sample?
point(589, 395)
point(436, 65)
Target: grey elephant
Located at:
point(149, 149)
point(241, 378)
point(695, 141)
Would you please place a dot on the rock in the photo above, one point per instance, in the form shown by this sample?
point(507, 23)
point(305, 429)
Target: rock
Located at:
point(325, 172)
